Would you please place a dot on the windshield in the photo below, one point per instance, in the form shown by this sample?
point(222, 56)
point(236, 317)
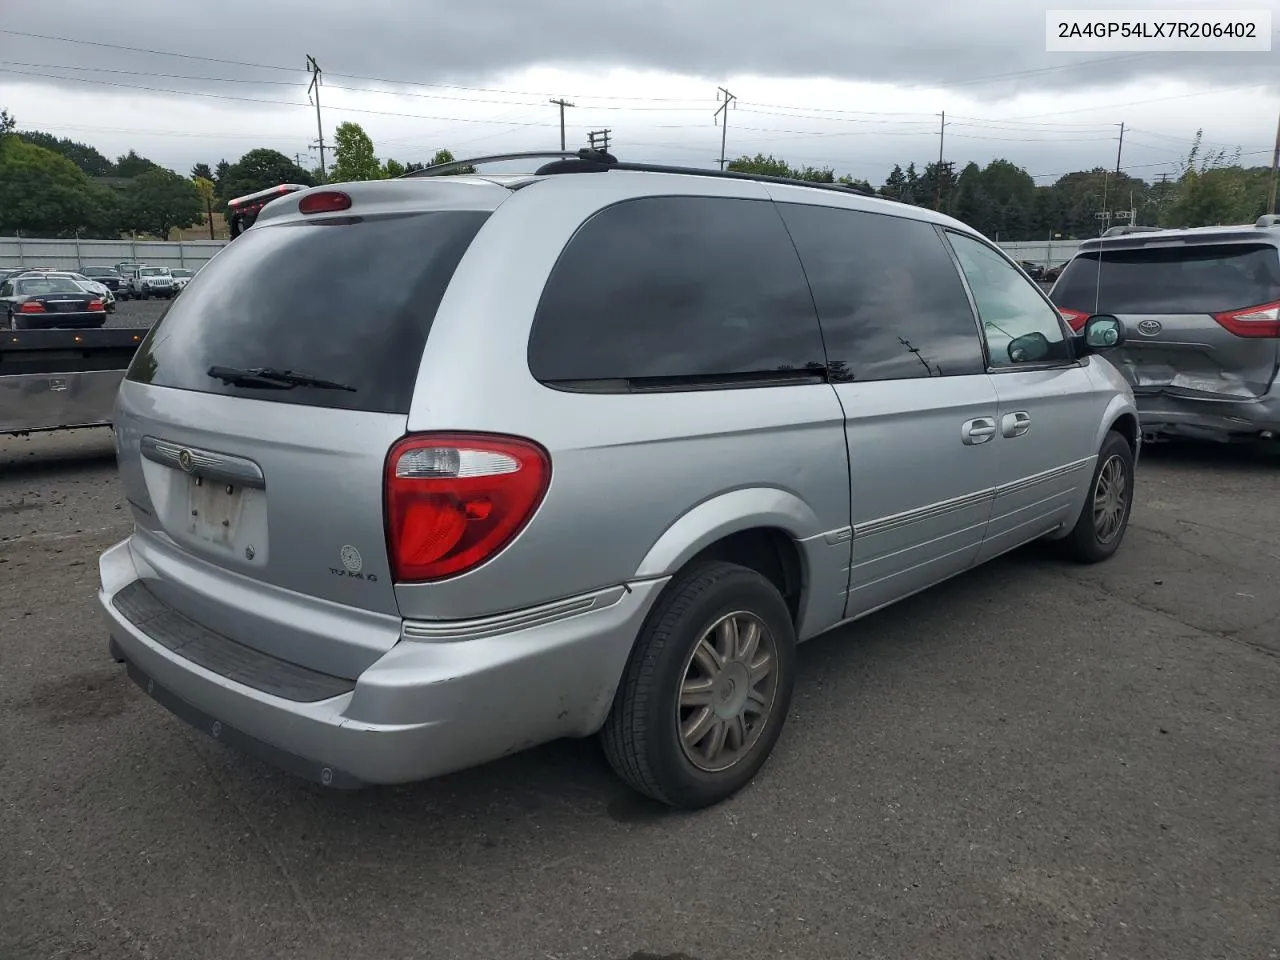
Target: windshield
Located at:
point(153, 272)
point(1199, 279)
point(98, 272)
point(45, 285)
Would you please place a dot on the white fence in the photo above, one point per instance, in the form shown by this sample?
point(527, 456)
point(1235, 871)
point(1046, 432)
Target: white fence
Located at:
point(71, 254)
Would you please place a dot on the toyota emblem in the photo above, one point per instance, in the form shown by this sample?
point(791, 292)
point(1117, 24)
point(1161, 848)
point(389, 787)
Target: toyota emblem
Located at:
point(1150, 328)
point(184, 460)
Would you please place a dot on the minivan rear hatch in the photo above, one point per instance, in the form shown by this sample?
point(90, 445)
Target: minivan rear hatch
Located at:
point(1201, 318)
point(255, 421)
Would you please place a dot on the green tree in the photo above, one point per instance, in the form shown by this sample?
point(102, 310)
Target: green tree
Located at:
point(354, 158)
point(443, 156)
point(257, 170)
point(159, 200)
point(42, 193)
point(1214, 189)
point(81, 154)
point(895, 185)
point(770, 166)
point(202, 171)
point(132, 165)
point(7, 123)
point(392, 169)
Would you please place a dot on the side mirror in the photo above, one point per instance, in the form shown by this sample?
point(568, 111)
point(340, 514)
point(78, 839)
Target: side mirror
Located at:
point(1029, 348)
point(1102, 331)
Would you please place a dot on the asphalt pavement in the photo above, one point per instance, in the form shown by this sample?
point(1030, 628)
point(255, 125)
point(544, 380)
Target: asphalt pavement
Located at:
point(1033, 760)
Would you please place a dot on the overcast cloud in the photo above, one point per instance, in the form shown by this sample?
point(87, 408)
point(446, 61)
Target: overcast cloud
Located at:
point(856, 86)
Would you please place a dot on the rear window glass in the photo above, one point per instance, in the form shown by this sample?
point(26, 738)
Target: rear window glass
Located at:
point(35, 288)
point(348, 300)
point(1201, 279)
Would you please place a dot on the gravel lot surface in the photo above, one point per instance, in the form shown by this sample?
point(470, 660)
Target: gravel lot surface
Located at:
point(1034, 760)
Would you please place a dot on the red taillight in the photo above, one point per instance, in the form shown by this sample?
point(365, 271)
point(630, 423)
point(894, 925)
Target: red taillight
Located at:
point(454, 500)
point(1074, 318)
point(326, 201)
point(31, 307)
point(96, 305)
point(1260, 321)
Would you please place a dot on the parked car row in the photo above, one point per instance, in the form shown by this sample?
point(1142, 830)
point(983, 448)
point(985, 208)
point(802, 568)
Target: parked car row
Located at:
point(126, 280)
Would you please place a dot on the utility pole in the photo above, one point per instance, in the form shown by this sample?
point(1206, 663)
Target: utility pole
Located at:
point(728, 98)
point(562, 103)
point(1119, 149)
point(313, 92)
point(942, 136)
point(599, 140)
point(1275, 174)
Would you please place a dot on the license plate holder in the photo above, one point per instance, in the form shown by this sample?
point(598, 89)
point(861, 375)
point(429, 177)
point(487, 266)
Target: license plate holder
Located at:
point(215, 510)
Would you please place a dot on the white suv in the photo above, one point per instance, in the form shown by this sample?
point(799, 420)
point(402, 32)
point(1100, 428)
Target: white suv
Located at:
point(147, 282)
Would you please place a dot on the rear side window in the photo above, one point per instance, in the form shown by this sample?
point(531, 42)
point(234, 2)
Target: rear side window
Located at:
point(662, 292)
point(1199, 279)
point(347, 300)
point(888, 294)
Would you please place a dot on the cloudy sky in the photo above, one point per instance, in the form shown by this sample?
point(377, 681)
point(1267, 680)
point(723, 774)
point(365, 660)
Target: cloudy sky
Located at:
point(856, 85)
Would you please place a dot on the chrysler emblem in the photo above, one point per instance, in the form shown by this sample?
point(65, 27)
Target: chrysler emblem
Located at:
point(184, 460)
point(1150, 328)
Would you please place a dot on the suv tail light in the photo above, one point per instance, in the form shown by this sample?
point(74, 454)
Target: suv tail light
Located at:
point(1074, 318)
point(326, 201)
point(1259, 321)
point(31, 306)
point(454, 501)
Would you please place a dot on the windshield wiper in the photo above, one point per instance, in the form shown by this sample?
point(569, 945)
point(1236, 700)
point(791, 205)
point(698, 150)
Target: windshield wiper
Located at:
point(269, 378)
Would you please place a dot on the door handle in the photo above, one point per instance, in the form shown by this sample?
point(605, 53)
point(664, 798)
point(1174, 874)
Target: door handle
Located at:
point(1015, 424)
point(978, 430)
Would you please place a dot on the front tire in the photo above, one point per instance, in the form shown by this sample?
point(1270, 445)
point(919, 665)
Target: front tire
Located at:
point(706, 690)
point(1105, 517)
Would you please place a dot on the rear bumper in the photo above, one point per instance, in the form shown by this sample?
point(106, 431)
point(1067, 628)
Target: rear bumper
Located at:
point(1173, 415)
point(425, 708)
point(61, 321)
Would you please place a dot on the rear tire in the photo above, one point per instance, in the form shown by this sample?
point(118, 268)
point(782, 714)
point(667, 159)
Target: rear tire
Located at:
point(1104, 518)
point(717, 655)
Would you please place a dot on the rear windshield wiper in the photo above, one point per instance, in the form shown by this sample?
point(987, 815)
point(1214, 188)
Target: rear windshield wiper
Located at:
point(269, 378)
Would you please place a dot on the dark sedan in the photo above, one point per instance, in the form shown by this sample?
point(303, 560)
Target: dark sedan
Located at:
point(34, 302)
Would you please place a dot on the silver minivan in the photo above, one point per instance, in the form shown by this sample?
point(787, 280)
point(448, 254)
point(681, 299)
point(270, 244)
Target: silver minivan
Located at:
point(584, 450)
point(1202, 307)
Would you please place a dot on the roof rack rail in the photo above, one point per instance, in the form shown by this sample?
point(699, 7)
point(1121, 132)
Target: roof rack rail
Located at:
point(1121, 230)
point(587, 160)
point(439, 169)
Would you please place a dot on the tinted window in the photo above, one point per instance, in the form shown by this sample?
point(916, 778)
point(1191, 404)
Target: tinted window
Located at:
point(1209, 279)
point(890, 300)
point(1009, 306)
point(349, 300)
point(675, 287)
